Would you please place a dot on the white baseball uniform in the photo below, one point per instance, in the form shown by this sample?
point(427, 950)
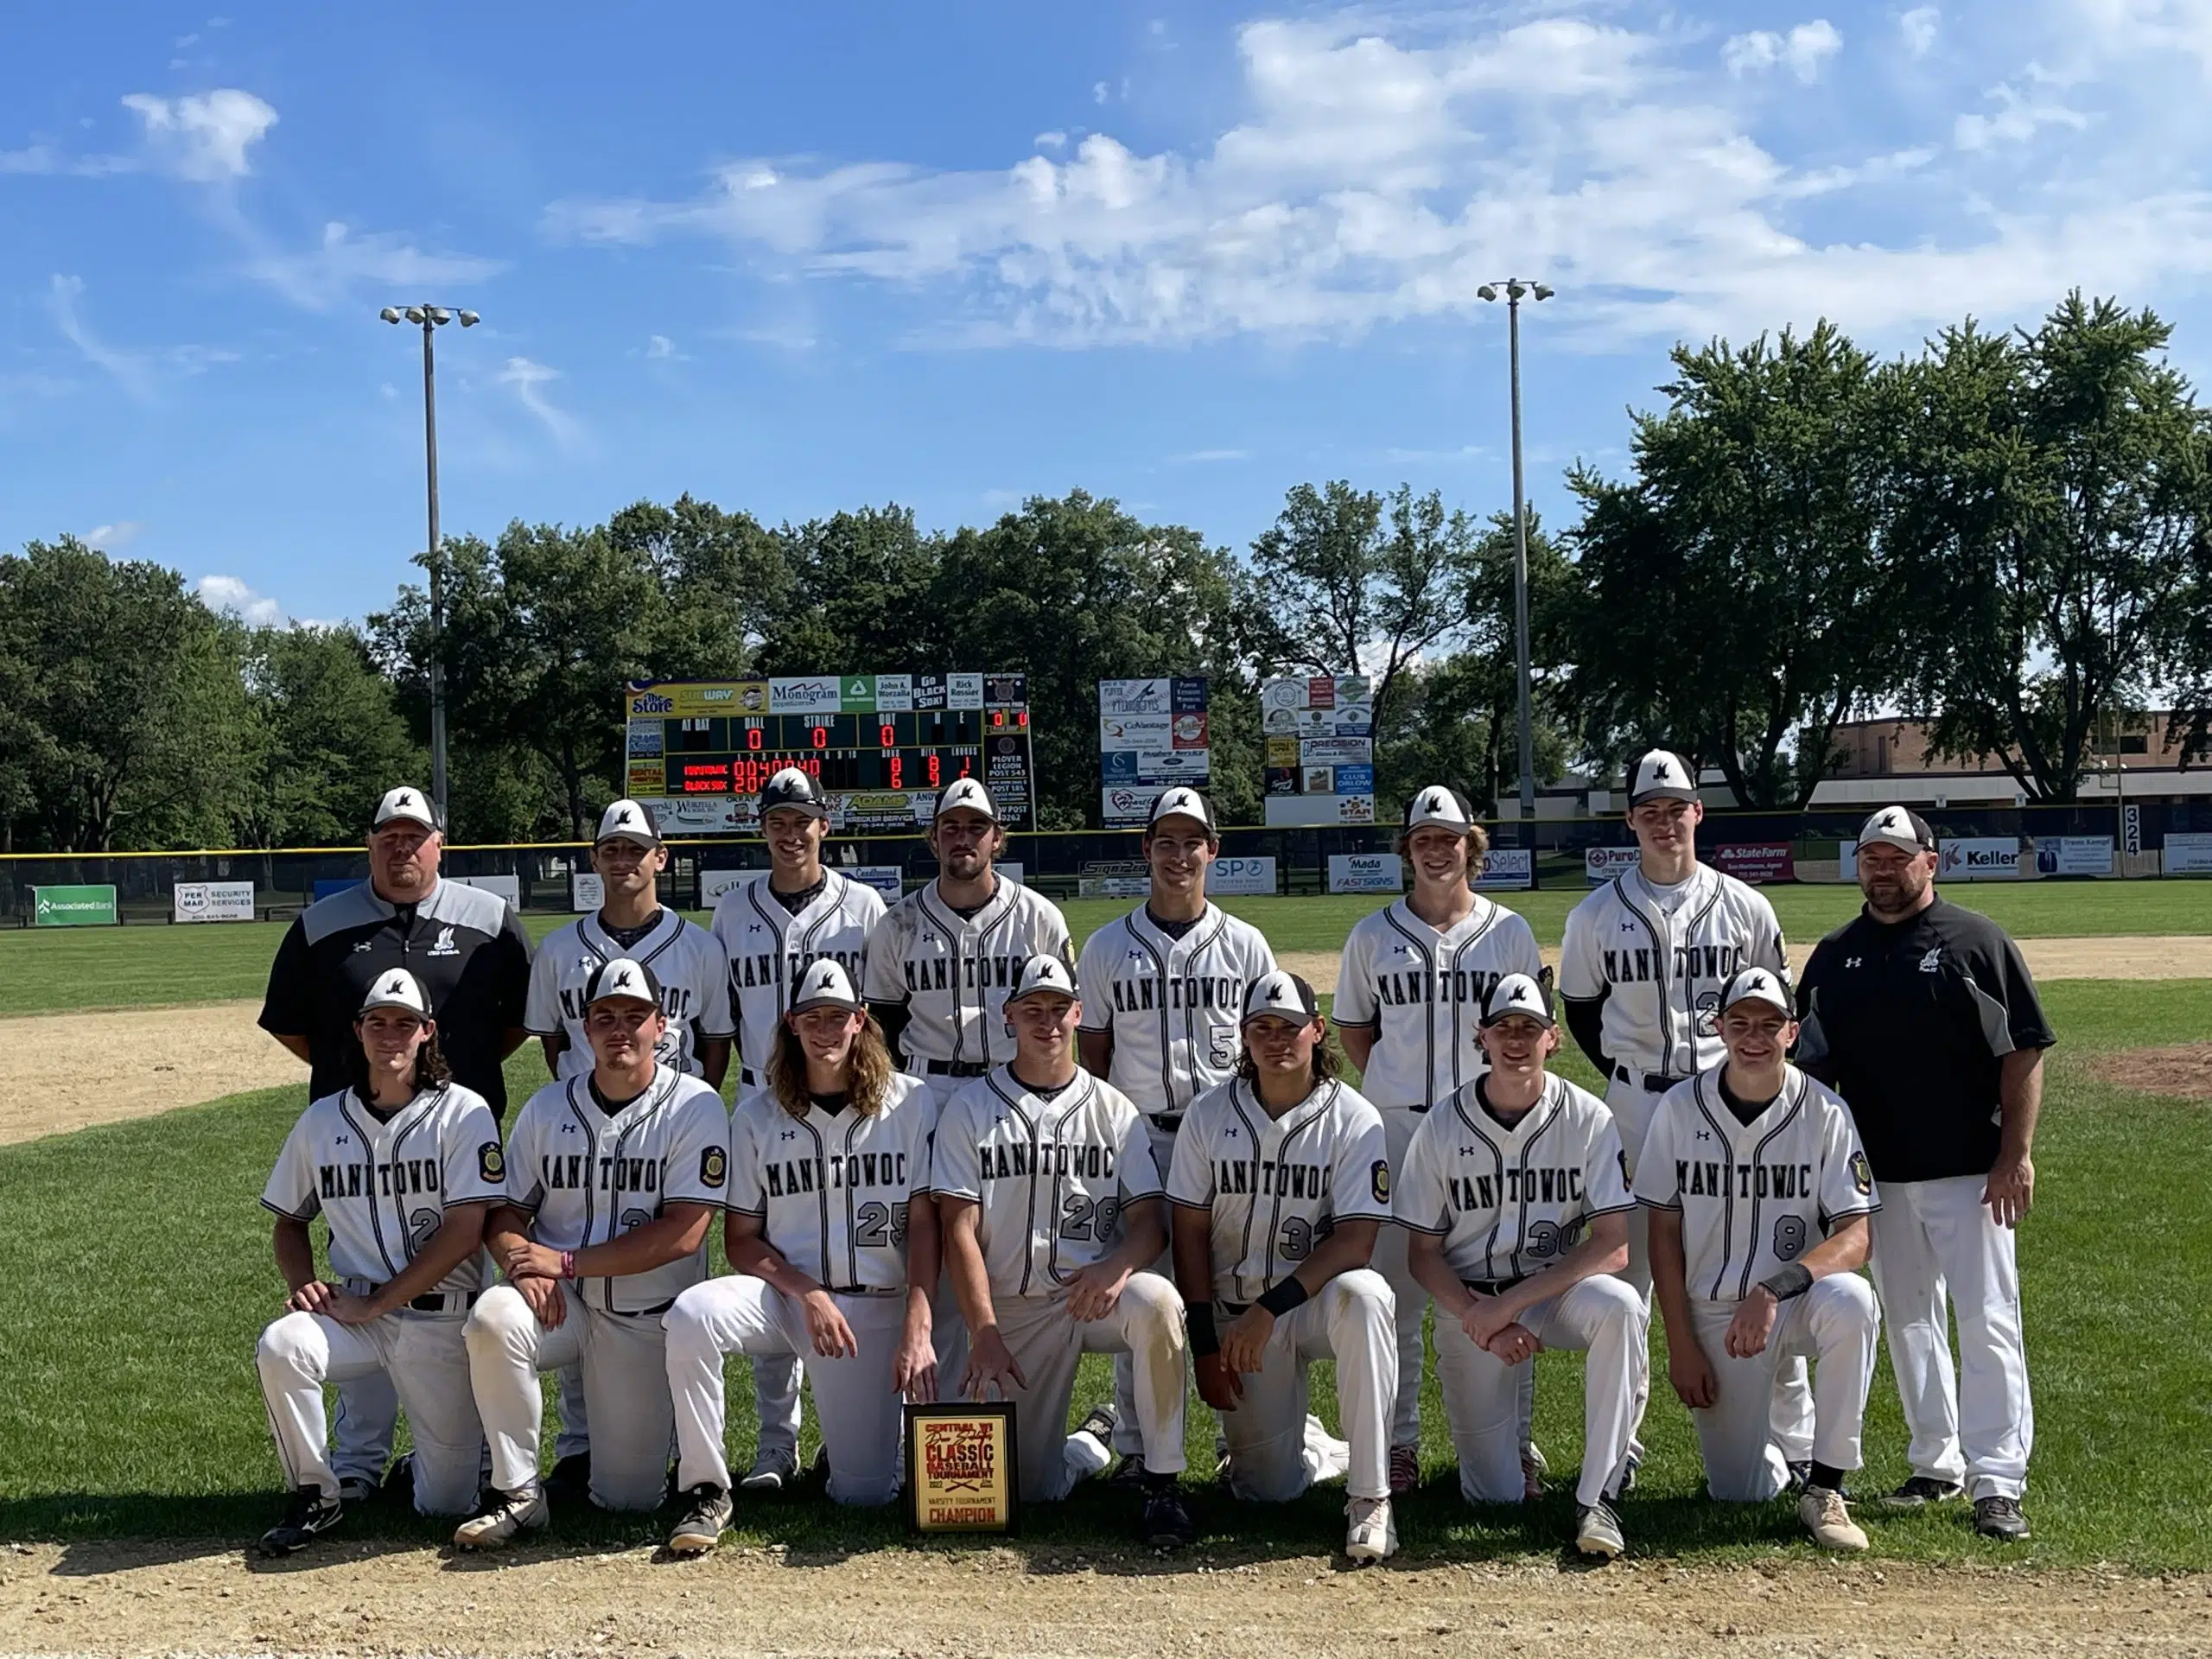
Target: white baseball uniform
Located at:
point(588, 1176)
point(383, 1184)
point(1050, 1176)
point(769, 948)
point(1172, 1004)
point(1273, 1187)
point(832, 1191)
point(689, 965)
point(1509, 1201)
point(1421, 990)
point(1753, 1197)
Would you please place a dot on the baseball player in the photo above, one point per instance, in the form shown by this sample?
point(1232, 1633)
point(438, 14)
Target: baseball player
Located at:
point(404, 1165)
point(612, 1180)
point(832, 1244)
point(1517, 1201)
point(1640, 974)
point(1410, 990)
point(770, 927)
point(694, 978)
point(1167, 983)
point(1759, 1195)
point(1049, 1207)
point(1280, 1185)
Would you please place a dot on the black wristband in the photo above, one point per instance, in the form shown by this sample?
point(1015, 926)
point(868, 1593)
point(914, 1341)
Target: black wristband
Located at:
point(1793, 1281)
point(1198, 1318)
point(1284, 1296)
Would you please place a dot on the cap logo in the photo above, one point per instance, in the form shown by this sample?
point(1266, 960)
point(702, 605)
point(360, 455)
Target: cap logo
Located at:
point(404, 799)
point(1659, 771)
point(1435, 804)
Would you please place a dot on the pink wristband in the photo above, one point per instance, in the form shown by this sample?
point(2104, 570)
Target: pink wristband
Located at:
point(568, 1264)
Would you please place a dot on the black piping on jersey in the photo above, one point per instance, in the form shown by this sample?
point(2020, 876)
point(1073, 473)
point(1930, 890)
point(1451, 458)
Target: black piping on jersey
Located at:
point(1002, 896)
point(1659, 961)
point(400, 1132)
point(1548, 1104)
point(658, 1092)
point(1193, 948)
point(1327, 1096)
point(1794, 1085)
point(1029, 1232)
point(1428, 1010)
point(780, 923)
point(608, 950)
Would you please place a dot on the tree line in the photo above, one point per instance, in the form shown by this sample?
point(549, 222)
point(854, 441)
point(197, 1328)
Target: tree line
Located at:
point(2003, 534)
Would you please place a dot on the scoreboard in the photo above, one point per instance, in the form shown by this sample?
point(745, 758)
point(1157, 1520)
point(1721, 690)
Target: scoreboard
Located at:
point(883, 745)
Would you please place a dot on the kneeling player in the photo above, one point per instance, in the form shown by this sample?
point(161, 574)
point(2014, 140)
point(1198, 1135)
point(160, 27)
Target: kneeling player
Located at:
point(405, 1165)
point(1759, 1194)
point(612, 1179)
point(1281, 1183)
point(1500, 1180)
point(1049, 1205)
point(832, 1244)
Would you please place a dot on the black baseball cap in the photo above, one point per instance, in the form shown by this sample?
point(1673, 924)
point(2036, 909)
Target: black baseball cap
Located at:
point(797, 789)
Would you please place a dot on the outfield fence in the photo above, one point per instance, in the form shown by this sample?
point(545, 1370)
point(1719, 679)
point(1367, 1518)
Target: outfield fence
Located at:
point(2046, 842)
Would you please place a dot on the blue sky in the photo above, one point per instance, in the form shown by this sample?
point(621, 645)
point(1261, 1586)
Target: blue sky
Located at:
point(798, 258)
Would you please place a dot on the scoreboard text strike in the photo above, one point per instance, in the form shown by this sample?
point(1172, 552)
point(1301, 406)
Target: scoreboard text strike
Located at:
point(882, 745)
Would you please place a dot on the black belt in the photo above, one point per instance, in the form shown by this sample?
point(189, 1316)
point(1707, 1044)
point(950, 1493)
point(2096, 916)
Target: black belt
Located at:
point(748, 1077)
point(1491, 1286)
point(1166, 1122)
point(432, 1302)
point(956, 1068)
point(862, 1290)
point(1654, 1083)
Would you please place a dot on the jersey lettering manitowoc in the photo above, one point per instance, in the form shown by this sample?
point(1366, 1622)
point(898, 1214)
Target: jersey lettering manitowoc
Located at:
point(1172, 1004)
point(769, 949)
point(692, 969)
point(1421, 990)
point(954, 973)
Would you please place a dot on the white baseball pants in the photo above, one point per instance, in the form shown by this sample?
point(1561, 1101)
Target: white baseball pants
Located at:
point(1276, 1450)
point(948, 1329)
point(1602, 1316)
point(854, 1400)
point(1938, 1250)
point(1834, 1324)
point(427, 1367)
point(1127, 1441)
point(622, 1356)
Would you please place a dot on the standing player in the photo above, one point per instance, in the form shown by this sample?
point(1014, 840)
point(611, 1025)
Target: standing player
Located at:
point(694, 978)
point(1049, 1204)
point(1759, 1194)
point(1166, 984)
point(1280, 1185)
point(1517, 1202)
point(1640, 973)
point(832, 1244)
point(403, 1165)
point(1925, 1019)
point(612, 1179)
point(770, 928)
point(1410, 990)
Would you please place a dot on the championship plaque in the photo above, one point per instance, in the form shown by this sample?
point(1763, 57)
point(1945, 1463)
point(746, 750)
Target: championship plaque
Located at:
point(961, 1475)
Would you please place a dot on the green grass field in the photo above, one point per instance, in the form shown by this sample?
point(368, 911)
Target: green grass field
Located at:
point(56, 969)
point(140, 1274)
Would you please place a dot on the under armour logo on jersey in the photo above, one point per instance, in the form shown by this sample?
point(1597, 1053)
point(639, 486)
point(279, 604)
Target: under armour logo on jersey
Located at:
point(343, 1140)
point(1854, 962)
point(1705, 1134)
point(1230, 1133)
point(1627, 926)
point(788, 1135)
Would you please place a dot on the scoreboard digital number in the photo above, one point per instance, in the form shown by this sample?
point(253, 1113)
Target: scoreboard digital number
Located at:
point(882, 745)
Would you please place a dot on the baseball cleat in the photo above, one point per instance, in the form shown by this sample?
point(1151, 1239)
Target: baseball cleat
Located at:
point(1828, 1518)
point(1921, 1491)
point(1167, 1523)
point(706, 1516)
point(307, 1517)
point(1800, 1476)
point(504, 1515)
point(1532, 1471)
point(1405, 1469)
point(358, 1488)
point(1633, 1462)
point(772, 1471)
point(1129, 1471)
point(1372, 1534)
point(1597, 1533)
point(2000, 1518)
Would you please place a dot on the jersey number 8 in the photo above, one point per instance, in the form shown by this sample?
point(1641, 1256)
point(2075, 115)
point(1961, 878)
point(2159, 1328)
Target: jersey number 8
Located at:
point(1788, 1238)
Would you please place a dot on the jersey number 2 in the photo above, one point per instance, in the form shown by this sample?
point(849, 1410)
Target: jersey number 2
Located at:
point(1083, 1216)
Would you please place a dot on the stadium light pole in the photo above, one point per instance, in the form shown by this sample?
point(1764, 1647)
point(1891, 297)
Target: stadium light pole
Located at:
point(1515, 291)
point(430, 319)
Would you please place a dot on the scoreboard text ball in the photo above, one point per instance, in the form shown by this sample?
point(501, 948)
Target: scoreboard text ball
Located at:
point(708, 756)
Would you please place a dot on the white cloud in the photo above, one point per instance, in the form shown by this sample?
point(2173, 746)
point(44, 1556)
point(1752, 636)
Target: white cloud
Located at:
point(112, 538)
point(132, 370)
point(661, 346)
point(1201, 457)
point(230, 594)
point(1802, 51)
point(203, 138)
point(1919, 28)
point(1055, 140)
point(2017, 120)
point(341, 264)
point(1099, 92)
point(530, 380)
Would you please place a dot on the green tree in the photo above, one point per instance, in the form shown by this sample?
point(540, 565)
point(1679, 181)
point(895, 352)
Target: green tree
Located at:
point(328, 739)
point(858, 598)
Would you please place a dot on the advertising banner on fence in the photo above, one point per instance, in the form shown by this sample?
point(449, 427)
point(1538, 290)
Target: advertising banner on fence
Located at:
point(1113, 878)
point(1979, 858)
point(1602, 864)
point(2189, 853)
point(1242, 877)
point(2074, 854)
point(213, 901)
point(1366, 873)
point(509, 887)
point(80, 906)
point(1151, 734)
point(886, 879)
point(1757, 862)
point(715, 883)
point(1507, 869)
point(1331, 720)
point(586, 892)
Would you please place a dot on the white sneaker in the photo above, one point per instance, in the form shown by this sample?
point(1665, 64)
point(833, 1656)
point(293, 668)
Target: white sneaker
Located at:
point(1827, 1518)
point(504, 1515)
point(1373, 1536)
point(1599, 1534)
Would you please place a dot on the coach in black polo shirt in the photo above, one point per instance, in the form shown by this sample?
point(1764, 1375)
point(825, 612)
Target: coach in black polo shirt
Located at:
point(469, 953)
point(1923, 1017)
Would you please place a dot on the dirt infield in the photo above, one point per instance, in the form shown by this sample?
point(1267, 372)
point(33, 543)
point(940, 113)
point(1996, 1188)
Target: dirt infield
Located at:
point(359, 1600)
point(64, 1071)
point(2184, 1073)
point(2183, 956)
